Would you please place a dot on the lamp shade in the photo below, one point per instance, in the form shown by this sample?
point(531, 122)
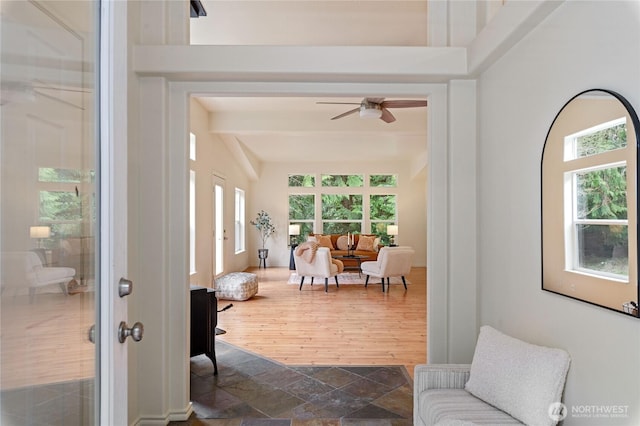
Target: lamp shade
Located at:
point(294, 229)
point(392, 229)
point(40, 231)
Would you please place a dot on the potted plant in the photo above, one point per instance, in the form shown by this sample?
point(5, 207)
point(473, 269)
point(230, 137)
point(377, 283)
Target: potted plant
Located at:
point(265, 227)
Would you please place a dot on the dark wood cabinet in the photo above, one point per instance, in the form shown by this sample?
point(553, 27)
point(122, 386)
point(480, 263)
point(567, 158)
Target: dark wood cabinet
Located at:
point(204, 319)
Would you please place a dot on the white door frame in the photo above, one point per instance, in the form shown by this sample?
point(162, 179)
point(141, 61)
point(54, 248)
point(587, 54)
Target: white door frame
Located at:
point(174, 299)
point(113, 380)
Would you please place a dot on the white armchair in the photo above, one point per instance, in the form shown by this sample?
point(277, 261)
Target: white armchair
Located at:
point(318, 265)
point(391, 262)
point(24, 269)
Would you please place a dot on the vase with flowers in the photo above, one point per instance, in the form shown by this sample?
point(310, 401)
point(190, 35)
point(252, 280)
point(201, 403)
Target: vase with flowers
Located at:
point(264, 225)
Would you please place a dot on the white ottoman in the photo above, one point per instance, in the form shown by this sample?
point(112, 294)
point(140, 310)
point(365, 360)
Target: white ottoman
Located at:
point(236, 286)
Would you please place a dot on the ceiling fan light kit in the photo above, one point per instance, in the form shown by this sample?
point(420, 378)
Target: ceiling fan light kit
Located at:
point(368, 110)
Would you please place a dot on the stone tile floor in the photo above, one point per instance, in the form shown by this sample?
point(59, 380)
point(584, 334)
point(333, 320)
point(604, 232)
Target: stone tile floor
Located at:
point(253, 390)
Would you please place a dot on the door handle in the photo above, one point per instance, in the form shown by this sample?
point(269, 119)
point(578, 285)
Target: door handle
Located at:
point(135, 332)
point(125, 287)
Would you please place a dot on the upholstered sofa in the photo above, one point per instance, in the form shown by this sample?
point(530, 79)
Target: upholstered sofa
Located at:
point(337, 244)
point(508, 382)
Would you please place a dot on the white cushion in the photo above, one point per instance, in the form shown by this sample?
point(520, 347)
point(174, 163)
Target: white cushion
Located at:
point(519, 378)
point(342, 243)
point(457, 407)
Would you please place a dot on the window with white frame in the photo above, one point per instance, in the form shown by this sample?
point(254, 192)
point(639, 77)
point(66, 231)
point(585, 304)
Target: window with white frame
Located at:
point(382, 212)
point(192, 147)
point(192, 204)
point(342, 203)
point(192, 221)
point(302, 212)
point(596, 207)
point(239, 220)
point(66, 203)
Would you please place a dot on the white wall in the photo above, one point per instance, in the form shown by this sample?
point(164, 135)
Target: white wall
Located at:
point(270, 193)
point(582, 45)
point(213, 157)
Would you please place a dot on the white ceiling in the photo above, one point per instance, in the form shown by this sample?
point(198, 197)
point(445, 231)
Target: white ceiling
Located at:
point(299, 129)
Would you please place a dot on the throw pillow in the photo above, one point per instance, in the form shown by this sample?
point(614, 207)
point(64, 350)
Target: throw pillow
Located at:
point(519, 378)
point(341, 243)
point(325, 241)
point(312, 238)
point(365, 243)
point(376, 243)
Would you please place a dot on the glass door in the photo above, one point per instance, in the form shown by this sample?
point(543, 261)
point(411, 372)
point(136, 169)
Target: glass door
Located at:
point(48, 212)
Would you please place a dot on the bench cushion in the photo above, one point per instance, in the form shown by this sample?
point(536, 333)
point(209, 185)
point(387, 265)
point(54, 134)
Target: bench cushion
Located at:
point(517, 377)
point(236, 286)
point(458, 407)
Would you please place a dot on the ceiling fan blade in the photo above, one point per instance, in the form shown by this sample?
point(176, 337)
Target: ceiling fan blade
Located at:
point(61, 89)
point(339, 103)
point(386, 116)
point(404, 104)
point(344, 114)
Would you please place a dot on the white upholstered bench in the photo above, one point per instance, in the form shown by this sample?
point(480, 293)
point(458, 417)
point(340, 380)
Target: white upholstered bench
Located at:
point(236, 286)
point(508, 382)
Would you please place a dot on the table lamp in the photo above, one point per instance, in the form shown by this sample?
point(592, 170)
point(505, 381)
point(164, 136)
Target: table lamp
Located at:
point(294, 231)
point(39, 232)
point(392, 231)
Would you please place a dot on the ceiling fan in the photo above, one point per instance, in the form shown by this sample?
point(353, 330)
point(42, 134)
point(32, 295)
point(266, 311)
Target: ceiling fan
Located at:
point(23, 91)
point(377, 108)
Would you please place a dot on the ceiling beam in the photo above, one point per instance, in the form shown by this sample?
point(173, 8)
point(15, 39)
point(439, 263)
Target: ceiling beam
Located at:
point(301, 63)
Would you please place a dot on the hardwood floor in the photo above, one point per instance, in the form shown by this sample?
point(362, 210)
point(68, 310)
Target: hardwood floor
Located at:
point(352, 325)
point(46, 341)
